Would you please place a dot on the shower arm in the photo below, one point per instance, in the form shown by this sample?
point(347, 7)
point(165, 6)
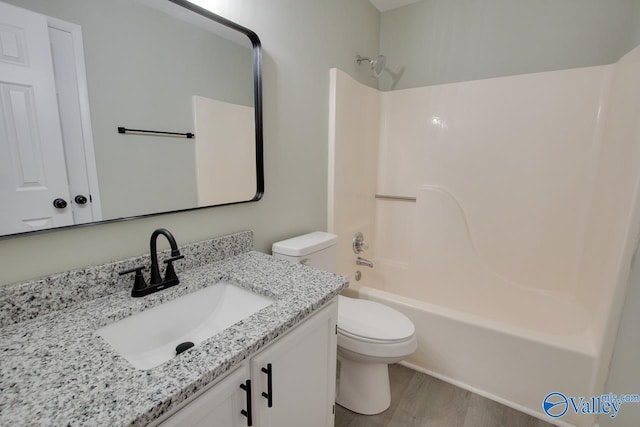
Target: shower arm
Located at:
point(377, 64)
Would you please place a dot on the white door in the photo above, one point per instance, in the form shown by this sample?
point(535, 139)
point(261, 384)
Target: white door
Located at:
point(302, 367)
point(32, 164)
point(73, 102)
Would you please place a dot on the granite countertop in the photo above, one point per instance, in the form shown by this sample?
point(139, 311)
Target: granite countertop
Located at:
point(56, 371)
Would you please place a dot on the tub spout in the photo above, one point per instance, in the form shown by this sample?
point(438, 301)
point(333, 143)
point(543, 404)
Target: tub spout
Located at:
point(362, 261)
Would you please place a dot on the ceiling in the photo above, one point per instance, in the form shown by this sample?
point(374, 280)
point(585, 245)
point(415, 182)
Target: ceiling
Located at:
point(384, 5)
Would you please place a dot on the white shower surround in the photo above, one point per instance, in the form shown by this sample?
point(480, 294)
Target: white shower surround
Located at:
point(515, 256)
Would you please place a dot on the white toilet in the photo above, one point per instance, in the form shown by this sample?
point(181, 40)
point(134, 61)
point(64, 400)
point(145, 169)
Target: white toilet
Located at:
point(370, 335)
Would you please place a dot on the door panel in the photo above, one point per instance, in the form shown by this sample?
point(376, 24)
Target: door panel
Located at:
point(23, 143)
point(12, 45)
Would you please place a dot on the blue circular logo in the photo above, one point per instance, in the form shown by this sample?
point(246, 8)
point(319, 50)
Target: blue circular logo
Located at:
point(555, 404)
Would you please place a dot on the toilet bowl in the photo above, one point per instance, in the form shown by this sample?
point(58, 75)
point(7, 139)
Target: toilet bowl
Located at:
point(370, 337)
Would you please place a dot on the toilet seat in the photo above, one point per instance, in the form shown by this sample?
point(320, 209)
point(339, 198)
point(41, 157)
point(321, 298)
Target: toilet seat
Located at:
point(373, 322)
point(370, 340)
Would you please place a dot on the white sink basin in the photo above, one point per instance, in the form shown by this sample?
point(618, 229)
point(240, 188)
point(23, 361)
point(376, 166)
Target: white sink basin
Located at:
point(149, 338)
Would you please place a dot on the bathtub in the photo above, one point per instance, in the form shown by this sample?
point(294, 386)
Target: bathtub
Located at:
point(514, 353)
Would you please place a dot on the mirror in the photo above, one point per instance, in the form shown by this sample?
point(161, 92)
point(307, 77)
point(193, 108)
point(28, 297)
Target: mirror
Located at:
point(112, 110)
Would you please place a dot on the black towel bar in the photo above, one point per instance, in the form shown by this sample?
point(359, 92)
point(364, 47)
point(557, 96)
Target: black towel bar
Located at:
point(188, 135)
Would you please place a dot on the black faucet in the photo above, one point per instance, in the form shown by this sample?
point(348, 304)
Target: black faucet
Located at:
point(140, 287)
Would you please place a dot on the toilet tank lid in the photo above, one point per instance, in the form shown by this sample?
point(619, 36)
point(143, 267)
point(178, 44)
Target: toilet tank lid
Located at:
point(305, 244)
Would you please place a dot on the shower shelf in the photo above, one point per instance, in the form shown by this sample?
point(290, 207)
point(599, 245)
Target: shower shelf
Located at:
point(401, 198)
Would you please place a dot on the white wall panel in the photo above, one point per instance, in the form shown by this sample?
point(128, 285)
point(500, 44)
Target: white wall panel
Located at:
point(517, 152)
point(353, 152)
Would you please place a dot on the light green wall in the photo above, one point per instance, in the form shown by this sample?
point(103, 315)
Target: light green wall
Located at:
point(444, 41)
point(302, 40)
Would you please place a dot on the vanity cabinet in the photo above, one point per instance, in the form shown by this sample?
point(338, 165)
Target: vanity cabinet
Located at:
point(292, 383)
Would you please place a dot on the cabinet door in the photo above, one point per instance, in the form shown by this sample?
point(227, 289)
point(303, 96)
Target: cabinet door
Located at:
point(221, 405)
point(303, 375)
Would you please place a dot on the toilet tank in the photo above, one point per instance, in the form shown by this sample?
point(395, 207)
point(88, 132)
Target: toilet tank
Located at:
point(317, 249)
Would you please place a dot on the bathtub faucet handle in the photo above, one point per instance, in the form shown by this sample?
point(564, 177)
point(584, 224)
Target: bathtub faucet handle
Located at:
point(359, 245)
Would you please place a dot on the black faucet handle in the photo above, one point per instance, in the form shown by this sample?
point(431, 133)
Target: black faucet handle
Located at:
point(137, 270)
point(138, 282)
point(173, 258)
point(170, 274)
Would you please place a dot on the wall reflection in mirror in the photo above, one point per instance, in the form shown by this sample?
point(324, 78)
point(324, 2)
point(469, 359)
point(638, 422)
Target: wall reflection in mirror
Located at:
point(73, 71)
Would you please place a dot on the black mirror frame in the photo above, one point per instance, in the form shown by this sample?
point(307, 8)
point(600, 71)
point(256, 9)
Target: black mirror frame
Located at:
point(257, 93)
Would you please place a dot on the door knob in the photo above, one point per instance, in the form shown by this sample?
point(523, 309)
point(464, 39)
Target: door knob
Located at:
point(59, 203)
point(80, 199)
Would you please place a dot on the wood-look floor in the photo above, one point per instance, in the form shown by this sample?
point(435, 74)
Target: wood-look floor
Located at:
point(421, 400)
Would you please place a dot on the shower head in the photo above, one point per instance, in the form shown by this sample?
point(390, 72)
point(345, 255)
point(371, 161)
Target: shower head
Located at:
point(377, 64)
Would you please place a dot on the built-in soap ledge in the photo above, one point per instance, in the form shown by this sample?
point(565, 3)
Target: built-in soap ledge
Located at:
point(27, 300)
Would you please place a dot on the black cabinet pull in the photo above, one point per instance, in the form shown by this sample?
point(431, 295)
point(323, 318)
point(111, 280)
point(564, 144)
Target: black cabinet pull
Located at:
point(247, 388)
point(269, 394)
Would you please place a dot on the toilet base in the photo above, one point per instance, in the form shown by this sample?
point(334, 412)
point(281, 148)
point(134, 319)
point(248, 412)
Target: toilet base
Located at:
point(363, 387)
